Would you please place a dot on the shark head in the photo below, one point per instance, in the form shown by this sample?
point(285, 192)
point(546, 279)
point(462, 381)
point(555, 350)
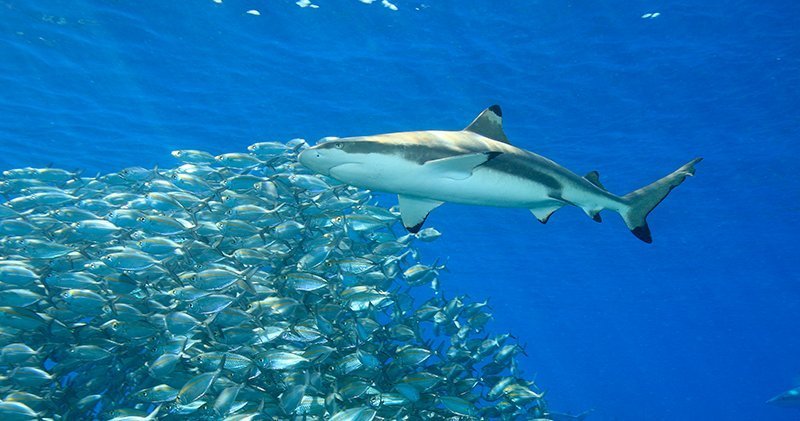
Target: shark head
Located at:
point(329, 154)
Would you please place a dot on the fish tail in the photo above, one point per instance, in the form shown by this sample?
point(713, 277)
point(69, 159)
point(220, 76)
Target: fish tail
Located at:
point(641, 202)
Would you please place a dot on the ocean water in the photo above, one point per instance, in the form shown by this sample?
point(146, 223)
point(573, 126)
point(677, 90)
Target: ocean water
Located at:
point(699, 325)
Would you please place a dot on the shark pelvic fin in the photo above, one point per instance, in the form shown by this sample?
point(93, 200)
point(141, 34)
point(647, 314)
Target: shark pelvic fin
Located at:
point(544, 213)
point(414, 211)
point(594, 214)
point(459, 167)
point(489, 124)
point(594, 178)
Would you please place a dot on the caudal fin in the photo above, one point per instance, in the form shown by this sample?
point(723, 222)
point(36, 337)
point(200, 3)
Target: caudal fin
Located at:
point(642, 201)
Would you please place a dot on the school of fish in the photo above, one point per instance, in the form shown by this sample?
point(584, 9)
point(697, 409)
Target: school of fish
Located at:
point(234, 287)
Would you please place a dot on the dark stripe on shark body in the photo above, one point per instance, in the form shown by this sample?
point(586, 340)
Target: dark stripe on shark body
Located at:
point(507, 163)
point(520, 167)
point(416, 153)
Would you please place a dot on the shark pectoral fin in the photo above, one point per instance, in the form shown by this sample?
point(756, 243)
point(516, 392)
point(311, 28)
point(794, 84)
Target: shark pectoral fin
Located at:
point(489, 124)
point(594, 178)
point(544, 213)
point(414, 211)
point(459, 167)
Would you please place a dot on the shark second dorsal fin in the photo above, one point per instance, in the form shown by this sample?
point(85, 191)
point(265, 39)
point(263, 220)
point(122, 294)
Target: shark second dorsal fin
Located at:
point(489, 124)
point(594, 178)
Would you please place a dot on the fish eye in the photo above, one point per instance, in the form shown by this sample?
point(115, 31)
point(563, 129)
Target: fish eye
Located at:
point(141, 219)
point(339, 145)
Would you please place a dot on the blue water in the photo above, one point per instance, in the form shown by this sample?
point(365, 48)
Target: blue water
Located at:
point(702, 324)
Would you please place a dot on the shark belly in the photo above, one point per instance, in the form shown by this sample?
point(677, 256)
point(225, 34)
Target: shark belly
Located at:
point(485, 186)
point(489, 187)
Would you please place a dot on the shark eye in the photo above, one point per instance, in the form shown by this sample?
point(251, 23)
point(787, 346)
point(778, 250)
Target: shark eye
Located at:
point(339, 145)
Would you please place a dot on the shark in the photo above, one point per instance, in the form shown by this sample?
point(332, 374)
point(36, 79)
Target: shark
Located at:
point(478, 166)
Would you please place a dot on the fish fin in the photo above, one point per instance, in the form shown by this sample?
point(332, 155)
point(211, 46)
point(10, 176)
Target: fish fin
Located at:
point(246, 283)
point(543, 213)
point(414, 211)
point(641, 202)
point(460, 167)
point(593, 213)
point(489, 124)
point(153, 414)
point(594, 178)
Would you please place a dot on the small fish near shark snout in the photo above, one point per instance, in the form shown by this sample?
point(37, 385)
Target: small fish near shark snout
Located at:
point(478, 166)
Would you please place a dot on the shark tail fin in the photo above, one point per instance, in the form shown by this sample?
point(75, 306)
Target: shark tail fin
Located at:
point(642, 201)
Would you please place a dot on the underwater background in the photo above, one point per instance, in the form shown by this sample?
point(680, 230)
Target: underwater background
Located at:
point(702, 324)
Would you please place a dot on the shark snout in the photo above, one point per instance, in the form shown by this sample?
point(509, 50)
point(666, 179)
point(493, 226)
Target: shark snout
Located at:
point(307, 156)
point(312, 159)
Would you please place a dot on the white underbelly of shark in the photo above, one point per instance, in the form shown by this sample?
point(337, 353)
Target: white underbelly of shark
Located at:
point(484, 187)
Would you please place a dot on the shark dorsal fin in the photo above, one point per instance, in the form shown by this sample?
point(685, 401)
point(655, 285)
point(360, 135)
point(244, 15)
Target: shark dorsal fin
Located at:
point(489, 124)
point(594, 178)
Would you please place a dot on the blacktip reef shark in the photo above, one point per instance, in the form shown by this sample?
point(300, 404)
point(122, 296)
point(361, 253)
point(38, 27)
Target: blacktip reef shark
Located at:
point(478, 166)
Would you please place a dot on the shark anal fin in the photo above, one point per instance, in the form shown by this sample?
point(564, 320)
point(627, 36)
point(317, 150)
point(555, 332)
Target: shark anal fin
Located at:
point(459, 167)
point(489, 124)
point(414, 211)
point(543, 213)
point(594, 178)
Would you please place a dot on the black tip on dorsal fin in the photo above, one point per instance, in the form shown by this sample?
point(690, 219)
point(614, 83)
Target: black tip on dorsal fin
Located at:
point(489, 123)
